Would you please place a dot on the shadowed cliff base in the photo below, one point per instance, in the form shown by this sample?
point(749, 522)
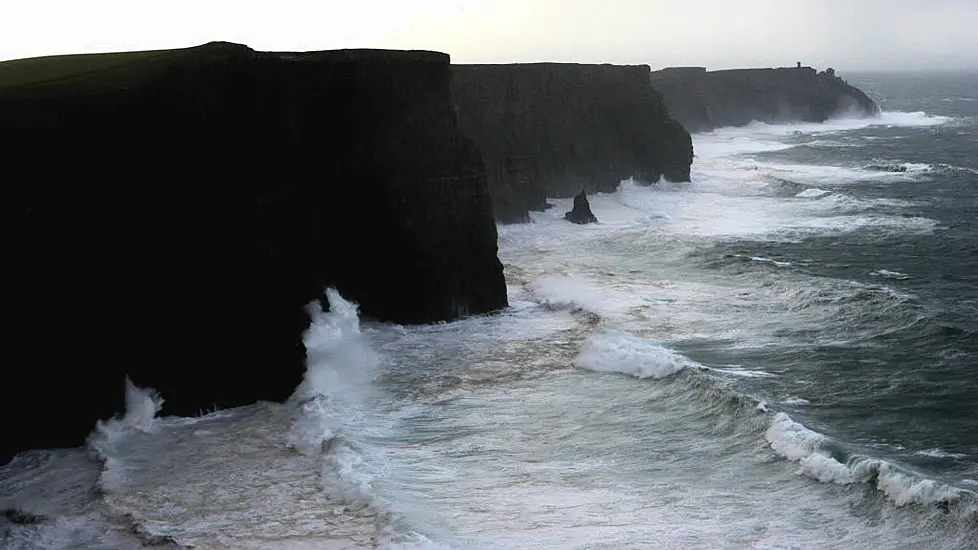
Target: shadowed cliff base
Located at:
point(552, 129)
point(704, 100)
point(174, 211)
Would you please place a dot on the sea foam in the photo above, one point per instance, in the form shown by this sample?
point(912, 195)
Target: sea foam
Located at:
point(613, 351)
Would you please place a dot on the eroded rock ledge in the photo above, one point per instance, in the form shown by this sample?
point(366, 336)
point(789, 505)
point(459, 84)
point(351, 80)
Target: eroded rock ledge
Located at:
point(174, 211)
point(703, 100)
point(552, 129)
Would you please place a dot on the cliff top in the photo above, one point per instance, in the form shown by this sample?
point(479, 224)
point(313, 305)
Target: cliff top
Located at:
point(701, 70)
point(364, 54)
point(535, 66)
point(76, 73)
point(88, 72)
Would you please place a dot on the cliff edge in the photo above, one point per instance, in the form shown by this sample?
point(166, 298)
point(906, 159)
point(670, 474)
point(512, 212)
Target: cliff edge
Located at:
point(552, 129)
point(174, 211)
point(703, 100)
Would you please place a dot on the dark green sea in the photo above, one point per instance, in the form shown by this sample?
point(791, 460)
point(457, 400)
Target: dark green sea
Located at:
point(891, 366)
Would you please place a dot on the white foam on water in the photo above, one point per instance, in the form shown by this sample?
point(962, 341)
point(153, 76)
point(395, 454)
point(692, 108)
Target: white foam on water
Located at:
point(293, 475)
point(887, 274)
point(794, 400)
point(726, 200)
point(938, 453)
point(763, 260)
point(811, 451)
point(912, 119)
point(710, 209)
point(878, 223)
point(746, 373)
point(812, 193)
point(570, 292)
point(613, 351)
point(56, 491)
point(728, 197)
point(762, 131)
point(622, 459)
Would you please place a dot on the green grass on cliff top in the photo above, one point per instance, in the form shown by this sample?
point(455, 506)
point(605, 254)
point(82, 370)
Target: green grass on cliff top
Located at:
point(85, 71)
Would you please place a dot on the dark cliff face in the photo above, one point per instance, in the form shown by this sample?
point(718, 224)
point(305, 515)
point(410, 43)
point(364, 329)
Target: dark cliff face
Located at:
point(703, 100)
point(174, 213)
point(551, 129)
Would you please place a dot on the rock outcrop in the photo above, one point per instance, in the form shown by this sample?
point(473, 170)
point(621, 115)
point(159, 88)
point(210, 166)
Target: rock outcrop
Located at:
point(703, 100)
point(581, 213)
point(174, 211)
point(551, 129)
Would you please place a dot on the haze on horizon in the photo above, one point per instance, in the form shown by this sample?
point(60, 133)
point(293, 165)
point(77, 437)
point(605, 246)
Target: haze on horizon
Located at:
point(849, 35)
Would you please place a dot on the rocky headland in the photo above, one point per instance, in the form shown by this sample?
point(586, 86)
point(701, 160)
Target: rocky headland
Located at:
point(704, 100)
point(172, 213)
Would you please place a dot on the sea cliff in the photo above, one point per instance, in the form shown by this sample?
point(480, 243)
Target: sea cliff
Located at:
point(174, 211)
point(703, 100)
point(553, 129)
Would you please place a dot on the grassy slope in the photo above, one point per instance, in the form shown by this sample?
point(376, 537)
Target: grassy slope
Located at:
point(86, 72)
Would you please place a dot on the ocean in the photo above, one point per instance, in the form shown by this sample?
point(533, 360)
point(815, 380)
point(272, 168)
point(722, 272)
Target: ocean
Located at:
point(782, 353)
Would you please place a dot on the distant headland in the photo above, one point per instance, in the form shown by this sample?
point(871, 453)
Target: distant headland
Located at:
point(704, 100)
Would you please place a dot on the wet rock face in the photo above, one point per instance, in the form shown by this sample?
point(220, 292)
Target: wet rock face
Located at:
point(551, 129)
point(581, 212)
point(175, 211)
point(703, 100)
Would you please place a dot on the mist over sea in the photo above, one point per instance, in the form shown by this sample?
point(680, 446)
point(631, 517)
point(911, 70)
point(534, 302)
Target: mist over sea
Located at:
point(782, 353)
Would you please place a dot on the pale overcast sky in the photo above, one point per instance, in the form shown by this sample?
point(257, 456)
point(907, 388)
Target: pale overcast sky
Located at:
point(846, 34)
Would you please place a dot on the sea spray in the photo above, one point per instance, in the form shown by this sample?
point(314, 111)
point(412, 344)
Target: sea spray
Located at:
point(142, 405)
point(340, 366)
point(334, 413)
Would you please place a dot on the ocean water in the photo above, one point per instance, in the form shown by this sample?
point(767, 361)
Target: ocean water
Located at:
point(782, 353)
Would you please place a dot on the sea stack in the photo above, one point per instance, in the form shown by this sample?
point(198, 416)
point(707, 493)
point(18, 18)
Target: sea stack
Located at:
point(581, 212)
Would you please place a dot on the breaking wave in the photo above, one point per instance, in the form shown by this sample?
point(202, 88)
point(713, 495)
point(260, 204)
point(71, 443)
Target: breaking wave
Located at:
point(829, 461)
point(305, 467)
point(613, 351)
point(937, 505)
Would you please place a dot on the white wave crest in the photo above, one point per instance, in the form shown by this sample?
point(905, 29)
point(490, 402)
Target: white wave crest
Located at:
point(797, 443)
point(938, 453)
point(889, 274)
point(573, 293)
point(795, 400)
point(812, 193)
point(763, 260)
point(566, 292)
point(911, 169)
point(613, 351)
point(886, 118)
point(734, 370)
point(912, 118)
